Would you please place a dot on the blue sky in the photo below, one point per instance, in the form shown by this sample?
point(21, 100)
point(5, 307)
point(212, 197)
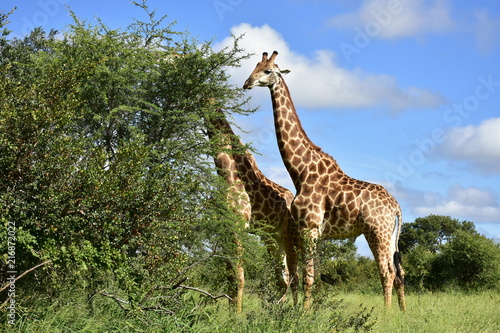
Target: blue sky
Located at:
point(404, 93)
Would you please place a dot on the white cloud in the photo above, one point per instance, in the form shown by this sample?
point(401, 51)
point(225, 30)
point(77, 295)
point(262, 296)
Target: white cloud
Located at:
point(477, 145)
point(463, 211)
point(398, 18)
point(465, 203)
point(486, 31)
point(318, 82)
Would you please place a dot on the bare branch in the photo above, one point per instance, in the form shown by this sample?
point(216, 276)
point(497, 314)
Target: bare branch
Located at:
point(122, 304)
point(158, 309)
point(117, 300)
point(182, 286)
point(126, 305)
point(206, 293)
point(26, 272)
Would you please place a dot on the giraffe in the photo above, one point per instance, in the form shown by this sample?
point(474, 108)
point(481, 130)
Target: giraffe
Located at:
point(262, 204)
point(328, 203)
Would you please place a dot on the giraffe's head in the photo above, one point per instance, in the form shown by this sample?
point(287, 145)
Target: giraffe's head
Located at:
point(266, 73)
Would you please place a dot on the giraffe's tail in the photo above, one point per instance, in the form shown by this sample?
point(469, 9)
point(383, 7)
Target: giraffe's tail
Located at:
point(397, 255)
point(397, 263)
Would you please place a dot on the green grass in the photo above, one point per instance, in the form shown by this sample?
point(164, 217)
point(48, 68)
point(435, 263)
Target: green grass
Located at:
point(344, 312)
point(435, 312)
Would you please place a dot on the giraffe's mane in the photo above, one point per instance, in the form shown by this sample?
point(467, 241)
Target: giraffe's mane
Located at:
point(299, 123)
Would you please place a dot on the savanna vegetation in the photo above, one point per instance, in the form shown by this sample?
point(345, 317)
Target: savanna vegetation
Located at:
point(114, 218)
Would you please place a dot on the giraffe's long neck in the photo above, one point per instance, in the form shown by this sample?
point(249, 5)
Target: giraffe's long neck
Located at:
point(234, 158)
point(297, 150)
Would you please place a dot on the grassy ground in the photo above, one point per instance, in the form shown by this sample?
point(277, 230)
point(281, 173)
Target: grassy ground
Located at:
point(345, 312)
point(441, 312)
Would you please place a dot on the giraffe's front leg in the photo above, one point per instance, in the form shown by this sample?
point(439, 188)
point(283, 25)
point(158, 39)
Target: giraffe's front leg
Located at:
point(310, 237)
point(240, 276)
point(276, 251)
point(241, 286)
point(292, 280)
point(292, 247)
point(309, 219)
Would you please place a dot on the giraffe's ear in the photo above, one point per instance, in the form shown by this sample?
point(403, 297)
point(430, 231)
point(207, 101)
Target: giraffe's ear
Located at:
point(284, 71)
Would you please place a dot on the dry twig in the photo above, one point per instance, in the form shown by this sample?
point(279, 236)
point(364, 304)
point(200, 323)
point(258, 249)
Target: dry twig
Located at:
point(26, 272)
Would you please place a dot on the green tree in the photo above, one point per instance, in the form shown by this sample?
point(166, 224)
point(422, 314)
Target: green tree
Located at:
point(471, 261)
point(418, 267)
point(338, 259)
point(431, 232)
point(105, 164)
point(343, 268)
point(441, 251)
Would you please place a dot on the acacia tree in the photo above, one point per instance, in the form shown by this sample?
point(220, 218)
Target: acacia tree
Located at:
point(104, 158)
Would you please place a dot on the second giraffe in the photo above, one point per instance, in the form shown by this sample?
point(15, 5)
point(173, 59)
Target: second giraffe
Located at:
point(263, 204)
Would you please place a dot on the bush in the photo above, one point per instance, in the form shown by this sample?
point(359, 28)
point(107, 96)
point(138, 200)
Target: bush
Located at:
point(106, 166)
point(441, 252)
point(469, 260)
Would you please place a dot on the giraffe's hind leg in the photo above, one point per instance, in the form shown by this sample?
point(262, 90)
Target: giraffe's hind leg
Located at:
point(399, 282)
point(381, 249)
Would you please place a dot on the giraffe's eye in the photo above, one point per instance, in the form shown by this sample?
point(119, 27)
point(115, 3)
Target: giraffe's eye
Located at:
point(268, 71)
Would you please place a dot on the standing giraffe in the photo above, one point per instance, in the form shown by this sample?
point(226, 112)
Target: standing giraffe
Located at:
point(329, 203)
point(263, 204)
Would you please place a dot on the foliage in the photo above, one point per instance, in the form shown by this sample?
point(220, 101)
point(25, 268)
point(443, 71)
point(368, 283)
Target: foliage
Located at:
point(118, 210)
point(441, 252)
point(344, 268)
point(105, 162)
point(469, 260)
point(427, 312)
point(330, 316)
point(431, 232)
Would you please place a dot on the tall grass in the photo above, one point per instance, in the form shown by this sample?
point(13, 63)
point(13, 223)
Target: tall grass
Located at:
point(342, 312)
point(434, 312)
